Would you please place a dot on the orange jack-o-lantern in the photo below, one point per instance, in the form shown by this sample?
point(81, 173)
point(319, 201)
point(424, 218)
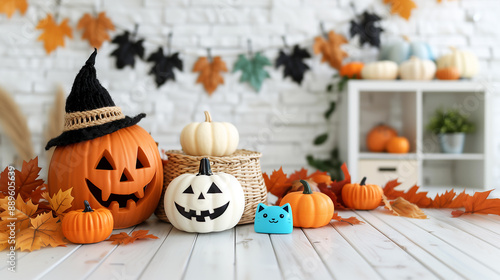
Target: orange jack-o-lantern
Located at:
point(121, 171)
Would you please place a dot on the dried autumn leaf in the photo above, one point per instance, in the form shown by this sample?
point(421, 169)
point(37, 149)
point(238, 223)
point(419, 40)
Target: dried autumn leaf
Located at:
point(351, 220)
point(412, 195)
point(44, 231)
point(276, 184)
point(124, 238)
point(4, 241)
point(459, 200)
point(27, 179)
point(479, 203)
point(37, 193)
point(443, 200)
point(9, 7)
point(210, 75)
point(324, 189)
point(401, 7)
point(4, 182)
point(404, 208)
point(60, 202)
point(95, 30)
point(163, 67)
point(22, 213)
point(330, 49)
point(53, 34)
point(337, 186)
point(367, 28)
point(128, 49)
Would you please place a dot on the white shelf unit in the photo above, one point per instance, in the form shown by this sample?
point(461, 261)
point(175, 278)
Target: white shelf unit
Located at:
point(408, 106)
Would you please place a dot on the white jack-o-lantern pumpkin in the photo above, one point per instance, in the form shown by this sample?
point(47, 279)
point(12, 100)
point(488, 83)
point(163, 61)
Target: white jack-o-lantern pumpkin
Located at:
point(204, 202)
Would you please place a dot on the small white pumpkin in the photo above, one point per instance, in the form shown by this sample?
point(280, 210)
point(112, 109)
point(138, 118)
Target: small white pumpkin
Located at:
point(204, 202)
point(380, 70)
point(417, 69)
point(465, 61)
point(209, 138)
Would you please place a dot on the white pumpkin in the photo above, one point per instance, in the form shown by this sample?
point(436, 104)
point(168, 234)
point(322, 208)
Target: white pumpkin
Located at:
point(204, 202)
point(209, 138)
point(380, 70)
point(465, 61)
point(417, 69)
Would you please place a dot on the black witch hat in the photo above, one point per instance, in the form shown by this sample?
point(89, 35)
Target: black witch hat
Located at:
point(90, 111)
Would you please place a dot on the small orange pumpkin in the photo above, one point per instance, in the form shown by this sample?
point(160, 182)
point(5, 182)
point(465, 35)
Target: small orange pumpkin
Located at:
point(448, 73)
point(310, 209)
point(398, 145)
point(377, 138)
point(361, 196)
point(87, 226)
point(352, 70)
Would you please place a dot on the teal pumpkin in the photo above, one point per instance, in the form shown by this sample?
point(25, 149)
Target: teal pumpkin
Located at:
point(402, 50)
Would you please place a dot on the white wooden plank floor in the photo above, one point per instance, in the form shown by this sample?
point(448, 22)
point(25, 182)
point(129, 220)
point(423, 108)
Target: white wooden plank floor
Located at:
point(385, 247)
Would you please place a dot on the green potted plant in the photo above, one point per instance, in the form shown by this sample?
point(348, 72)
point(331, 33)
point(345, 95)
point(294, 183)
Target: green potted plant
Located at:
point(450, 126)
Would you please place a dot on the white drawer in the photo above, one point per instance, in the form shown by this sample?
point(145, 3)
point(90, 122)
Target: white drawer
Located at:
point(381, 171)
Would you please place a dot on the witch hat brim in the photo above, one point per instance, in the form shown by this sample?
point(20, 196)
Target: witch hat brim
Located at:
point(90, 110)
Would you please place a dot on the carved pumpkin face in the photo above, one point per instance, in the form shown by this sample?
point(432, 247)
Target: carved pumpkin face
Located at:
point(204, 202)
point(121, 171)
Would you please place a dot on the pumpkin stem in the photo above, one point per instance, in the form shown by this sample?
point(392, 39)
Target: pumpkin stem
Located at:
point(363, 182)
point(87, 207)
point(307, 188)
point(208, 118)
point(205, 168)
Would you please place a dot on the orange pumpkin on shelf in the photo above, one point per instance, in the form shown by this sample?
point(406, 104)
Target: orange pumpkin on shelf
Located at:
point(352, 70)
point(310, 209)
point(398, 145)
point(448, 73)
point(377, 138)
point(87, 225)
point(362, 196)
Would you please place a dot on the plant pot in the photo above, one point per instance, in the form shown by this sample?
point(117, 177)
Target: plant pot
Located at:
point(452, 143)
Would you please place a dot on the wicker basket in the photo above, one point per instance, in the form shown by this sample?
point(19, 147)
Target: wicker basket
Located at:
point(242, 164)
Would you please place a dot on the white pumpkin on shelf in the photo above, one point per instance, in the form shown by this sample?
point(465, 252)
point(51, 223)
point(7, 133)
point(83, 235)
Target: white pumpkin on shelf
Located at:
point(465, 61)
point(209, 138)
point(417, 69)
point(380, 70)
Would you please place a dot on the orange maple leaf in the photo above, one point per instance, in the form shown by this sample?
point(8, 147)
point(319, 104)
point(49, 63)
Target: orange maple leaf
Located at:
point(336, 187)
point(479, 203)
point(351, 220)
point(412, 195)
point(210, 75)
point(44, 231)
point(95, 30)
point(124, 238)
point(277, 183)
point(22, 213)
point(53, 34)
point(297, 175)
point(60, 202)
point(443, 200)
point(27, 179)
point(389, 190)
point(9, 7)
point(459, 200)
point(332, 53)
point(401, 7)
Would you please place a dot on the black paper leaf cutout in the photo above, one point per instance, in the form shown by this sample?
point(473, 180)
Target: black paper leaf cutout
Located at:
point(293, 63)
point(163, 68)
point(368, 29)
point(127, 50)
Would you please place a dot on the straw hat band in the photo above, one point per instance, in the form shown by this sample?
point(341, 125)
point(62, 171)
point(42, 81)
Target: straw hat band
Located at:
point(79, 120)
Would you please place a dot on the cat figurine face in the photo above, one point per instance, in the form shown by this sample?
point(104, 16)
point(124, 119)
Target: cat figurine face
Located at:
point(273, 219)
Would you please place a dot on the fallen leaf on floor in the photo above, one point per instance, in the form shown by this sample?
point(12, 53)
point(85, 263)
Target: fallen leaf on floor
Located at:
point(60, 201)
point(479, 203)
point(404, 208)
point(44, 231)
point(124, 238)
point(351, 220)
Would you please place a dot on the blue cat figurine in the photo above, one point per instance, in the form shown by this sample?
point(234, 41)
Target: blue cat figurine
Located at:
point(273, 219)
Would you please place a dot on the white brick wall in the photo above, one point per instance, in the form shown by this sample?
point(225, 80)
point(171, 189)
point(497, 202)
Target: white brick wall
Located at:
point(283, 118)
